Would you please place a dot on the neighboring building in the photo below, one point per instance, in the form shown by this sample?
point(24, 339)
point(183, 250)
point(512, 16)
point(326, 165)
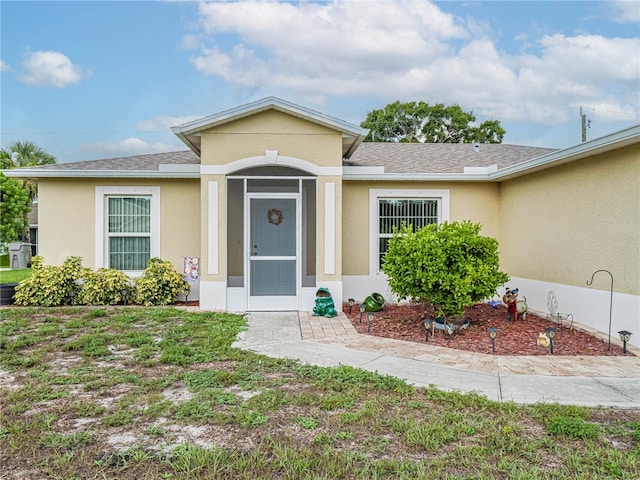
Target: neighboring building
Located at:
point(277, 200)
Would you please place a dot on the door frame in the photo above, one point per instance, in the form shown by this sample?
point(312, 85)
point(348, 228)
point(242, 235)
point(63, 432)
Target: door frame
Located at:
point(272, 302)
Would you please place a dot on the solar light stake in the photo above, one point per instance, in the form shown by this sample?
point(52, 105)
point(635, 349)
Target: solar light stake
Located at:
point(625, 336)
point(351, 302)
point(428, 326)
point(551, 333)
point(369, 320)
point(362, 308)
point(493, 333)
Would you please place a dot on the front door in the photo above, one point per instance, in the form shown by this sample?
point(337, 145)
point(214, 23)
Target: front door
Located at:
point(273, 252)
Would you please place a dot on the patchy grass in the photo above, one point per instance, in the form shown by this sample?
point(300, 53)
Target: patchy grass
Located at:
point(158, 393)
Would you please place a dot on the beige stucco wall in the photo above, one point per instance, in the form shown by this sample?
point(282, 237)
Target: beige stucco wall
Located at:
point(479, 202)
point(564, 223)
point(67, 218)
point(271, 130)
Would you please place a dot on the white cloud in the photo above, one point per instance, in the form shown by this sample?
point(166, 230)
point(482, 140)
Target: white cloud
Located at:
point(625, 11)
point(397, 50)
point(4, 67)
point(129, 146)
point(51, 69)
point(163, 122)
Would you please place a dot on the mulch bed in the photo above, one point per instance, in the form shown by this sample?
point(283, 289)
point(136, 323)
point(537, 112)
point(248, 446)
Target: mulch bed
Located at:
point(404, 322)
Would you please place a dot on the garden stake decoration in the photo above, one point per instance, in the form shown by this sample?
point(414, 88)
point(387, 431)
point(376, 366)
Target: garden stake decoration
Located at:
point(625, 336)
point(351, 302)
point(428, 325)
point(610, 299)
point(362, 308)
point(493, 333)
point(551, 333)
point(369, 320)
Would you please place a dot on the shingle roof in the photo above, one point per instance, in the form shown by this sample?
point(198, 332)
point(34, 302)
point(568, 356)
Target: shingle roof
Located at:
point(440, 157)
point(139, 162)
point(394, 157)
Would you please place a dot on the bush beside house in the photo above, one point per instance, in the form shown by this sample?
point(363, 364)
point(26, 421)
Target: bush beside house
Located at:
point(449, 265)
point(71, 284)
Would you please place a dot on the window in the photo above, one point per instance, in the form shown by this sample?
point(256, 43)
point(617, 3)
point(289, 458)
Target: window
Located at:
point(129, 232)
point(390, 208)
point(127, 227)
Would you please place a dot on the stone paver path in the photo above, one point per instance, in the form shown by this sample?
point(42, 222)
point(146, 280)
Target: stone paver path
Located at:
point(340, 330)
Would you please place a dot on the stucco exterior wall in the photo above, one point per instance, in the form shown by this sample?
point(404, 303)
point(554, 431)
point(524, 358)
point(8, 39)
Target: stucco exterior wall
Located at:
point(479, 202)
point(271, 130)
point(67, 218)
point(562, 224)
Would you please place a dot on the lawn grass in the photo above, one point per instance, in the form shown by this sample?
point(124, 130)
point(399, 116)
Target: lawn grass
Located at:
point(159, 393)
point(14, 276)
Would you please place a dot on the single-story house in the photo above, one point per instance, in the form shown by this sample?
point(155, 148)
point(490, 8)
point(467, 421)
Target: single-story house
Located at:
point(272, 201)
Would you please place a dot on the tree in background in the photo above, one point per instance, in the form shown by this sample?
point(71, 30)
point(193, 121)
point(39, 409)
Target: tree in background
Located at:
point(419, 122)
point(14, 207)
point(16, 196)
point(449, 265)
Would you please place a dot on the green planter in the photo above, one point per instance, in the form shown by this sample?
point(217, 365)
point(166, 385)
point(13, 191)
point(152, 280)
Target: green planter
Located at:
point(374, 302)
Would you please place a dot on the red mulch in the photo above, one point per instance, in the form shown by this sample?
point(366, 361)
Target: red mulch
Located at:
point(404, 322)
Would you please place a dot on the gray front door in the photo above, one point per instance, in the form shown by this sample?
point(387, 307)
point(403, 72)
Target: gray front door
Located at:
point(273, 252)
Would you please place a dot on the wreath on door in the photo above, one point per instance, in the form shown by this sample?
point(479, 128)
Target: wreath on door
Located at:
point(274, 215)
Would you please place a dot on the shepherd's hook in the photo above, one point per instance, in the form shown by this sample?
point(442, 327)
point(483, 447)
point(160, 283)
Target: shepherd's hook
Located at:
point(610, 299)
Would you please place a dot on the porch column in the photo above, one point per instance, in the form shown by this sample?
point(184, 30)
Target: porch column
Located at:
point(329, 236)
point(213, 234)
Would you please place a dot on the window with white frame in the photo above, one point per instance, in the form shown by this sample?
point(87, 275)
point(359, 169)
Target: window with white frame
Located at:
point(389, 209)
point(127, 227)
point(129, 232)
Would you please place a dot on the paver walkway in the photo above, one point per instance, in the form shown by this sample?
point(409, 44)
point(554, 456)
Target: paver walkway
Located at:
point(330, 342)
point(340, 330)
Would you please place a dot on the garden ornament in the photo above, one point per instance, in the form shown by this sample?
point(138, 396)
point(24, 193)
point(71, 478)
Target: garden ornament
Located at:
point(510, 299)
point(324, 304)
point(374, 302)
point(543, 340)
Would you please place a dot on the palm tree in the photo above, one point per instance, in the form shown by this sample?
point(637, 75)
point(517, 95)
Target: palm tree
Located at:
point(29, 154)
point(26, 154)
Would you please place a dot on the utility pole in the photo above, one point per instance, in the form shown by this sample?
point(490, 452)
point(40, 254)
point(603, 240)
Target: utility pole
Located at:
point(585, 124)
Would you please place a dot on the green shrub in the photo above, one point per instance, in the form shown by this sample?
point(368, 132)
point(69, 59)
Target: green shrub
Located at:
point(159, 284)
point(106, 286)
point(50, 286)
point(449, 265)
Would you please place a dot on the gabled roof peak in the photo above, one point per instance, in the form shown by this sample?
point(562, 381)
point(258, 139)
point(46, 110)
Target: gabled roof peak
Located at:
point(189, 132)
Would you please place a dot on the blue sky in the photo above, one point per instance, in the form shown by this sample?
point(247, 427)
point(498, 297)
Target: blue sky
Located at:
point(100, 79)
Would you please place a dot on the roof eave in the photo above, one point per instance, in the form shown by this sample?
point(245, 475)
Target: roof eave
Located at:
point(591, 148)
point(421, 177)
point(35, 173)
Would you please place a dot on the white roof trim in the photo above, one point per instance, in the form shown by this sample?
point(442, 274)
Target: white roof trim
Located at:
point(64, 173)
point(489, 169)
point(268, 161)
point(189, 130)
point(179, 167)
point(241, 111)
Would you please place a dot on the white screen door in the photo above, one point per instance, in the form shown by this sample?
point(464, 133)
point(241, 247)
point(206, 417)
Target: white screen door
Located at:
point(273, 253)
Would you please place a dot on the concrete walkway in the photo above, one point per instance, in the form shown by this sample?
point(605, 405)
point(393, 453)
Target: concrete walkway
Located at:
point(585, 380)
